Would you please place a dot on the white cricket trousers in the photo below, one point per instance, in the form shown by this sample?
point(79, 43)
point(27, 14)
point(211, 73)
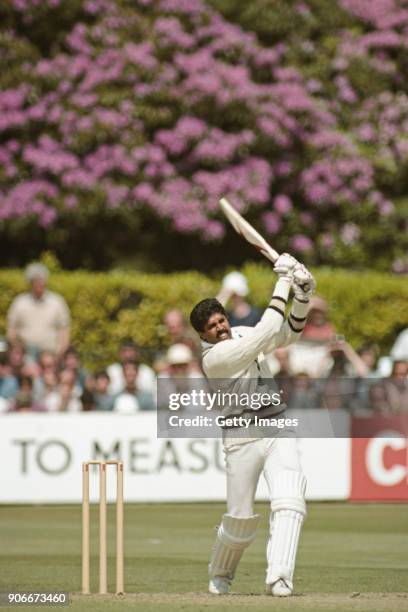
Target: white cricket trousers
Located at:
point(244, 464)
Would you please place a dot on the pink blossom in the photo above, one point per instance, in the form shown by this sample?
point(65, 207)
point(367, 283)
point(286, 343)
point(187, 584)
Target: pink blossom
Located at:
point(282, 204)
point(272, 222)
point(349, 233)
point(301, 243)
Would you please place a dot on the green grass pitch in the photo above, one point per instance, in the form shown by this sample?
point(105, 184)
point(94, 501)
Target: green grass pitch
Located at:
point(351, 557)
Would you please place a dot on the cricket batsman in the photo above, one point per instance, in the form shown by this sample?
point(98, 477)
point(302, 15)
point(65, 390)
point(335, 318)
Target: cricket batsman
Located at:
point(238, 355)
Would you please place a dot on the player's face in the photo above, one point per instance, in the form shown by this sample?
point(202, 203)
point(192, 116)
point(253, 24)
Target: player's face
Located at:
point(216, 329)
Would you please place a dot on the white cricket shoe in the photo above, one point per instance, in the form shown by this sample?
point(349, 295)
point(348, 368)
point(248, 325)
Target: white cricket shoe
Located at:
point(219, 585)
point(279, 589)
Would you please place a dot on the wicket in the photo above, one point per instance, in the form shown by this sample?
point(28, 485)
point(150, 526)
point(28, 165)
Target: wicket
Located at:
point(103, 581)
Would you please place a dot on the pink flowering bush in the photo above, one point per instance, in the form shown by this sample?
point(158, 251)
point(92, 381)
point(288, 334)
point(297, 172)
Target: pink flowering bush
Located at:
point(125, 122)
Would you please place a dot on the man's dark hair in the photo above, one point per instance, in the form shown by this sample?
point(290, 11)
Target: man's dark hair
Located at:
point(71, 350)
point(101, 374)
point(203, 311)
point(128, 343)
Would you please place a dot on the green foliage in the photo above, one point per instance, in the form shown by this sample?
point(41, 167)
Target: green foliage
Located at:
point(107, 307)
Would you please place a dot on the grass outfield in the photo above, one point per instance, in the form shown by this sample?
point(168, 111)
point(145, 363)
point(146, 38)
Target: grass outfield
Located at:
point(351, 557)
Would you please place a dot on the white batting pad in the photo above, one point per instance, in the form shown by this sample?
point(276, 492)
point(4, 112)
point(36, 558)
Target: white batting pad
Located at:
point(288, 512)
point(233, 536)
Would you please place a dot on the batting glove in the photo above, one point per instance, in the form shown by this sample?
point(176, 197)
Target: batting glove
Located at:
point(304, 285)
point(285, 266)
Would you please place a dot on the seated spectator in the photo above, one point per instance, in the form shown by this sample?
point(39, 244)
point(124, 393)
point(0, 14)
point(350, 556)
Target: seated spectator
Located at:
point(234, 290)
point(46, 379)
point(24, 399)
point(131, 399)
point(337, 392)
point(368, 353)
point(377, 398)
point(17, 357)
point(66, 397)
point(88, 401)
point(180, 375)
point(129, 351)
point(396, 388)
point(102, 398)
point(8, 384)
point(39, 318)
point(71, 361)
point(46, 387)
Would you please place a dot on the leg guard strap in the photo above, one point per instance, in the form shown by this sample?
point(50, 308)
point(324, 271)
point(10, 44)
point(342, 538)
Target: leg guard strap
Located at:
point(233, 536)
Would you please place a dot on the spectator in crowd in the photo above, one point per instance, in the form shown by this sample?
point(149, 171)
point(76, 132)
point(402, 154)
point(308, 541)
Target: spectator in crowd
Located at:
point(66, 397)
point(39, 318)
point(233, 292)
point(396, 388)
point(180, 375)
point(47, 360)
point(175, 325)
point(131, 399)
point(17, 357)
point(71, 361)
point(46, 379)
point(368, 354)
point(282, 371)
point(344, 360)
point(377, 398)
point(399, 351)
point(339, 385)
point(8, 383)
point(88, 401)
point(46, 388)
point(175, 331)
point(146, 378)
point(302, 395)
point(318, 327)
point(180, 363)
point(24, 399)
point(335, 393)
point(310, 354)
point(178, 330)
point(102, 398)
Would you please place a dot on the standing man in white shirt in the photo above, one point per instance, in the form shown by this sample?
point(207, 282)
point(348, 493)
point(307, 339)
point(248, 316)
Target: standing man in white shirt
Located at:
point(40, 318)
point(237, 355)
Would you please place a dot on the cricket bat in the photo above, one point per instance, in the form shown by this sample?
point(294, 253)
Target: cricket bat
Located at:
point(245, 229)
